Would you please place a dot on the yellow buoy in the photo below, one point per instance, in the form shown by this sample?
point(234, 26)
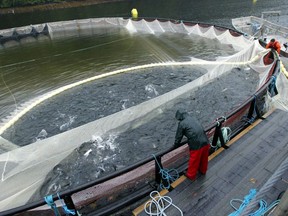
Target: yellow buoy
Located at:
point(134, 13)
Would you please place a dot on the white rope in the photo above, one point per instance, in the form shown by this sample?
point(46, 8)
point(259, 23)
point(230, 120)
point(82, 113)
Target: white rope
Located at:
point(158, 204)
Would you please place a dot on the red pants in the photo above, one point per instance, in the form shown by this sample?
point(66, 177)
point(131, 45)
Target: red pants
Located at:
point(198, 161)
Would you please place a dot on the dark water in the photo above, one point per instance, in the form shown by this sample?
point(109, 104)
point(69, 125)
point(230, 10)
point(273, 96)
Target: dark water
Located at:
point(33, 69)
point(210, 11)
point(95, 100)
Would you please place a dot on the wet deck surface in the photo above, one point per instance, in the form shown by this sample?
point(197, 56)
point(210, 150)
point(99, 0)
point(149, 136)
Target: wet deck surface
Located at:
point(249, 163)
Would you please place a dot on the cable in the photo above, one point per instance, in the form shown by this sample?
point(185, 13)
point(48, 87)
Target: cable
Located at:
point(158, 204)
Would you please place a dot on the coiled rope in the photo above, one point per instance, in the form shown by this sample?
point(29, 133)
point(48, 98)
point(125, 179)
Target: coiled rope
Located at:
point(158, 204)
point(263, 206)
point(167, 175)
point(244, 203)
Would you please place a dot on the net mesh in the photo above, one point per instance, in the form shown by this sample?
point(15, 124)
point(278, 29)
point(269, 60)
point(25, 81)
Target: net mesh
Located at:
point(24, 169)
point(263, 29)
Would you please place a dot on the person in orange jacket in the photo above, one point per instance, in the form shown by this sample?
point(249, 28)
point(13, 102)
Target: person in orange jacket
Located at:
point(274, 44)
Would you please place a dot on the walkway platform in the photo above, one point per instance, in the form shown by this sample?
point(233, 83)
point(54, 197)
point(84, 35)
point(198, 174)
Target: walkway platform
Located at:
point(254, 160)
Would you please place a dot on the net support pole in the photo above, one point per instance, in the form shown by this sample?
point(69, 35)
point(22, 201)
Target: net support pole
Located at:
point(218, 135)
point(158, 167)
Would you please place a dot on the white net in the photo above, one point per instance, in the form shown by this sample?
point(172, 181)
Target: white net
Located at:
point(263, 29)
point(280, 101)
point(24, 169)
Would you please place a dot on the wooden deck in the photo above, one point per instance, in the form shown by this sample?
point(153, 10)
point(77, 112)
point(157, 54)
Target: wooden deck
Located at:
point(253, 159)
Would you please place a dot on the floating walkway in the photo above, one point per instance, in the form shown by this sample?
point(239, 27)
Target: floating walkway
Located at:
point(257, 159)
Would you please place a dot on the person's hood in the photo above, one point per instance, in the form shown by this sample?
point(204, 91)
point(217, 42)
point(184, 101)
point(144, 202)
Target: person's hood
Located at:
point(180, 114)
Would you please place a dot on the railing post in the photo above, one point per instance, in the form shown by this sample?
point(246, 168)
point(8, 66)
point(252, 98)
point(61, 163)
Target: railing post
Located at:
point(218, 135)
point(159, 174)
point(251, 109)
point(158, 167)
point(69, 203)
point(254, 109)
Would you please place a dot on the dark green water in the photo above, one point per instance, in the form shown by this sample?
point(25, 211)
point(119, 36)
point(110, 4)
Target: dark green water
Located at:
point(30, 70)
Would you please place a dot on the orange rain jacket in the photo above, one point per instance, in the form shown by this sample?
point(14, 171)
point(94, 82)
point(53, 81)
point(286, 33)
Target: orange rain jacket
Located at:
point(274, 45)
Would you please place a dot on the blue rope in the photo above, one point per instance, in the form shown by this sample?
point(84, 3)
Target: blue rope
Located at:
point(245, 202)
point(264, 208)
point(166, 175)
point(49, 200)
point(65, 208)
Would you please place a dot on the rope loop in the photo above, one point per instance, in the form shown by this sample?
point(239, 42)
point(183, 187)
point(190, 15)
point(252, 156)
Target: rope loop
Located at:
point(158, 204)
point(263, 206)
point(244, 203)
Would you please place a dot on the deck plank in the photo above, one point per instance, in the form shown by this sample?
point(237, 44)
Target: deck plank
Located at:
point(247, 164)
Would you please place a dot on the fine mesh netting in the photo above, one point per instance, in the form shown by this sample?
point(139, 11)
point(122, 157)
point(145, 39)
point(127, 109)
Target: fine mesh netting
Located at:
point(25, 169)
point(263, 29)
point(280, 101)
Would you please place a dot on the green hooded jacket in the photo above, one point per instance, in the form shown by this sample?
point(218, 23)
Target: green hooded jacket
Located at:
point(191, 128)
